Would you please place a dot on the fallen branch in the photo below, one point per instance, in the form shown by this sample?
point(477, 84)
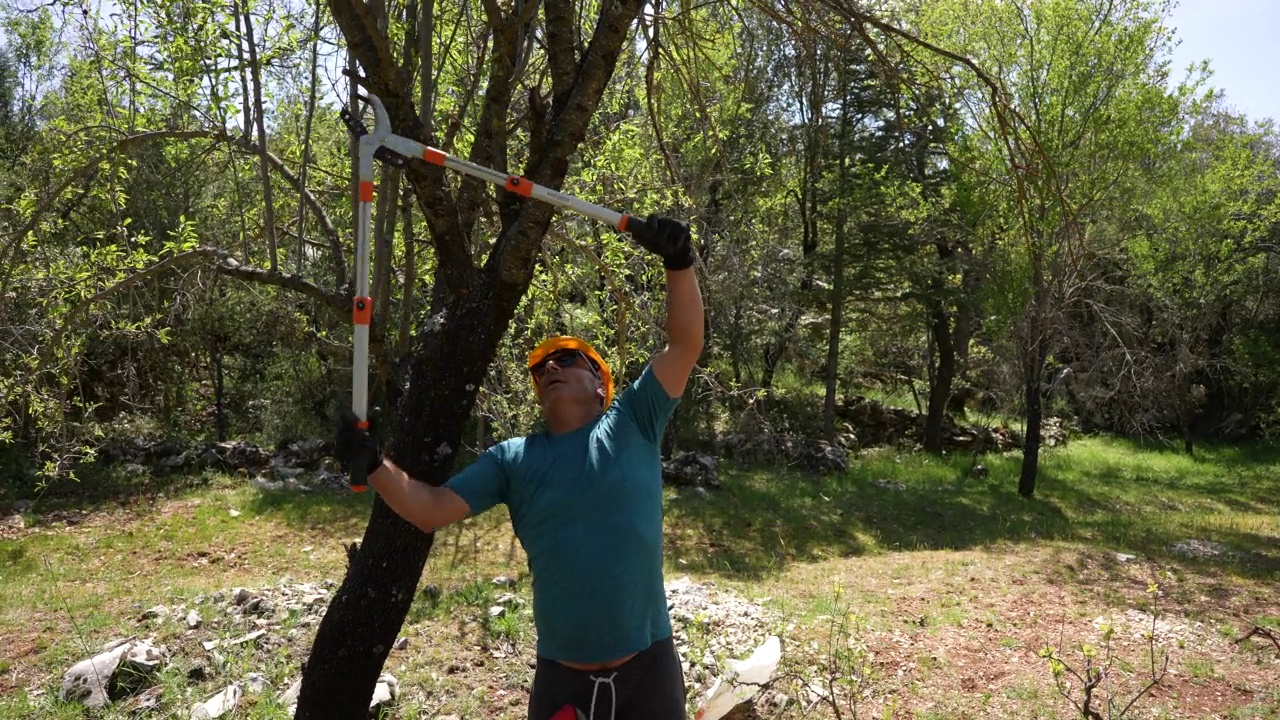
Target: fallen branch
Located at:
point(1261, 631)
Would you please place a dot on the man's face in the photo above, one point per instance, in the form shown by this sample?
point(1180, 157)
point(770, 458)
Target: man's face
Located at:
point(568, 377)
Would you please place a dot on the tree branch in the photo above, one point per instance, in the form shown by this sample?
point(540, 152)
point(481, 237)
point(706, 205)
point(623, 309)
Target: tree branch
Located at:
point(489, 148)
point(514, 253)
point(229, 266)
point(226, 265)
point(322, 215)
point(242, 143)
point(384, 78)
point(561, 59)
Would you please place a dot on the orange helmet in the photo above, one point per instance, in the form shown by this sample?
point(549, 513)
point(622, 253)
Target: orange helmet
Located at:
point(568, 342)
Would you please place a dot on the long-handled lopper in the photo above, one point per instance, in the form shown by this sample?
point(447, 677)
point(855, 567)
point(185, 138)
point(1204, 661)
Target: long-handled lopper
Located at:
point(383, 145)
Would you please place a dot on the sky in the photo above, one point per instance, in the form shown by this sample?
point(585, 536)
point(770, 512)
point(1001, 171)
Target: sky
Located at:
point(1239, 39)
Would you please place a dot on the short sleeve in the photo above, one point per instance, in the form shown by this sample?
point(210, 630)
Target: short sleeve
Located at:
point(483, 483)
point(648, 405)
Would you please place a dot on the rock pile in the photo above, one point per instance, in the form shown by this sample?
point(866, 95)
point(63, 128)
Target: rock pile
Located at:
point(711, 626)
point(878, 424)
point(300, 465)
point(1201, 549)
point(866, 423)
point(691, 469)
point(813, 455)
point(127, 669)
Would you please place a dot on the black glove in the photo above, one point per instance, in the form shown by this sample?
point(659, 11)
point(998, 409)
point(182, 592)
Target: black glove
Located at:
point(355, 445)
point(667, 238)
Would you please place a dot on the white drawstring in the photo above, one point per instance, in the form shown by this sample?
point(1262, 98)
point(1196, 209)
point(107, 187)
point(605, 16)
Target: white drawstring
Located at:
point(613, 706)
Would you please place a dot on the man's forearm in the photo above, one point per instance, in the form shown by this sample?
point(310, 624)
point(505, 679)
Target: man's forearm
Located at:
point(430, 508)
point(684, 313)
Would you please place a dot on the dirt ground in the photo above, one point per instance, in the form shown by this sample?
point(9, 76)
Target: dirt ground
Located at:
point(937, 634)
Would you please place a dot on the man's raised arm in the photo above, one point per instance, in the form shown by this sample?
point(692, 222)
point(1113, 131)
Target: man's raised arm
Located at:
point(670, 240)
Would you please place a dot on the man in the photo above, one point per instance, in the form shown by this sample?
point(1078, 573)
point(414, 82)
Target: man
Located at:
point(585, 497)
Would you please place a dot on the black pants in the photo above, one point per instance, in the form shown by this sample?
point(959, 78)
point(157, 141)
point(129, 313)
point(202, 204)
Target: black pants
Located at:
point(649, 686)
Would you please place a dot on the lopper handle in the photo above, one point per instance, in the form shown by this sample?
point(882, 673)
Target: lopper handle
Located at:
point(631, 224)
point(360, 465)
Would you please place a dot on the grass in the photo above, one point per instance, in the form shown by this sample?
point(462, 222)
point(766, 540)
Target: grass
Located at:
point(973, 576)
point(1103, 492)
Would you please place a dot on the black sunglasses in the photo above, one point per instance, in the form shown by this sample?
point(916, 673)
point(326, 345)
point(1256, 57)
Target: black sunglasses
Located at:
point(563, 359)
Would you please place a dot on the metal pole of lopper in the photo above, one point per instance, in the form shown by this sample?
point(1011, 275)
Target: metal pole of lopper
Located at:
point(362, 303)
point(406, 148)
point(381, 144)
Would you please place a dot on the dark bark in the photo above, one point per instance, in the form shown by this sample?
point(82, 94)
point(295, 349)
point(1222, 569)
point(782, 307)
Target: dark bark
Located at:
point(219, 394)
point(1031, 446)
point(386, 208)
point(943, 376)
point(944, 348)
point(833, 339)
point(410, 274)
point(366, 614)
point(1035, 353)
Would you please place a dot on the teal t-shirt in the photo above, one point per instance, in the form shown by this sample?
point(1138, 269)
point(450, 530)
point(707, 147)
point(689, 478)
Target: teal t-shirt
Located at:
point(587, 508)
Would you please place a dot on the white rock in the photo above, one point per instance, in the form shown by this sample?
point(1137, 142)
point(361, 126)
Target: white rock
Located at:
point(290, 696)
point(384, 693)
point(193, 621)
point(143, 658)
point(251, 637)
point(257, 683)
point(266, 485)
point(218, 705)
point(159, 611)
point(87, 681)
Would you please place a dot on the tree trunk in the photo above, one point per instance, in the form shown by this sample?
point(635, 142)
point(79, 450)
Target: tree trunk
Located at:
point(247, 114)
point(943, 376)
point(410, 275)
point(357, 632)
point(944, 344)
point(268, 205)
point(219, 392)
point(384, 232)
point(1032, 372)
point(774, 351)
point(426, 59)
point(1031, 445)
point(306, 139)
point(472, 307)
point(837, 325)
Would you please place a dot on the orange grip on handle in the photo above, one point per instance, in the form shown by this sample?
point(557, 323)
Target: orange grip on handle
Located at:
point(630, 223)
